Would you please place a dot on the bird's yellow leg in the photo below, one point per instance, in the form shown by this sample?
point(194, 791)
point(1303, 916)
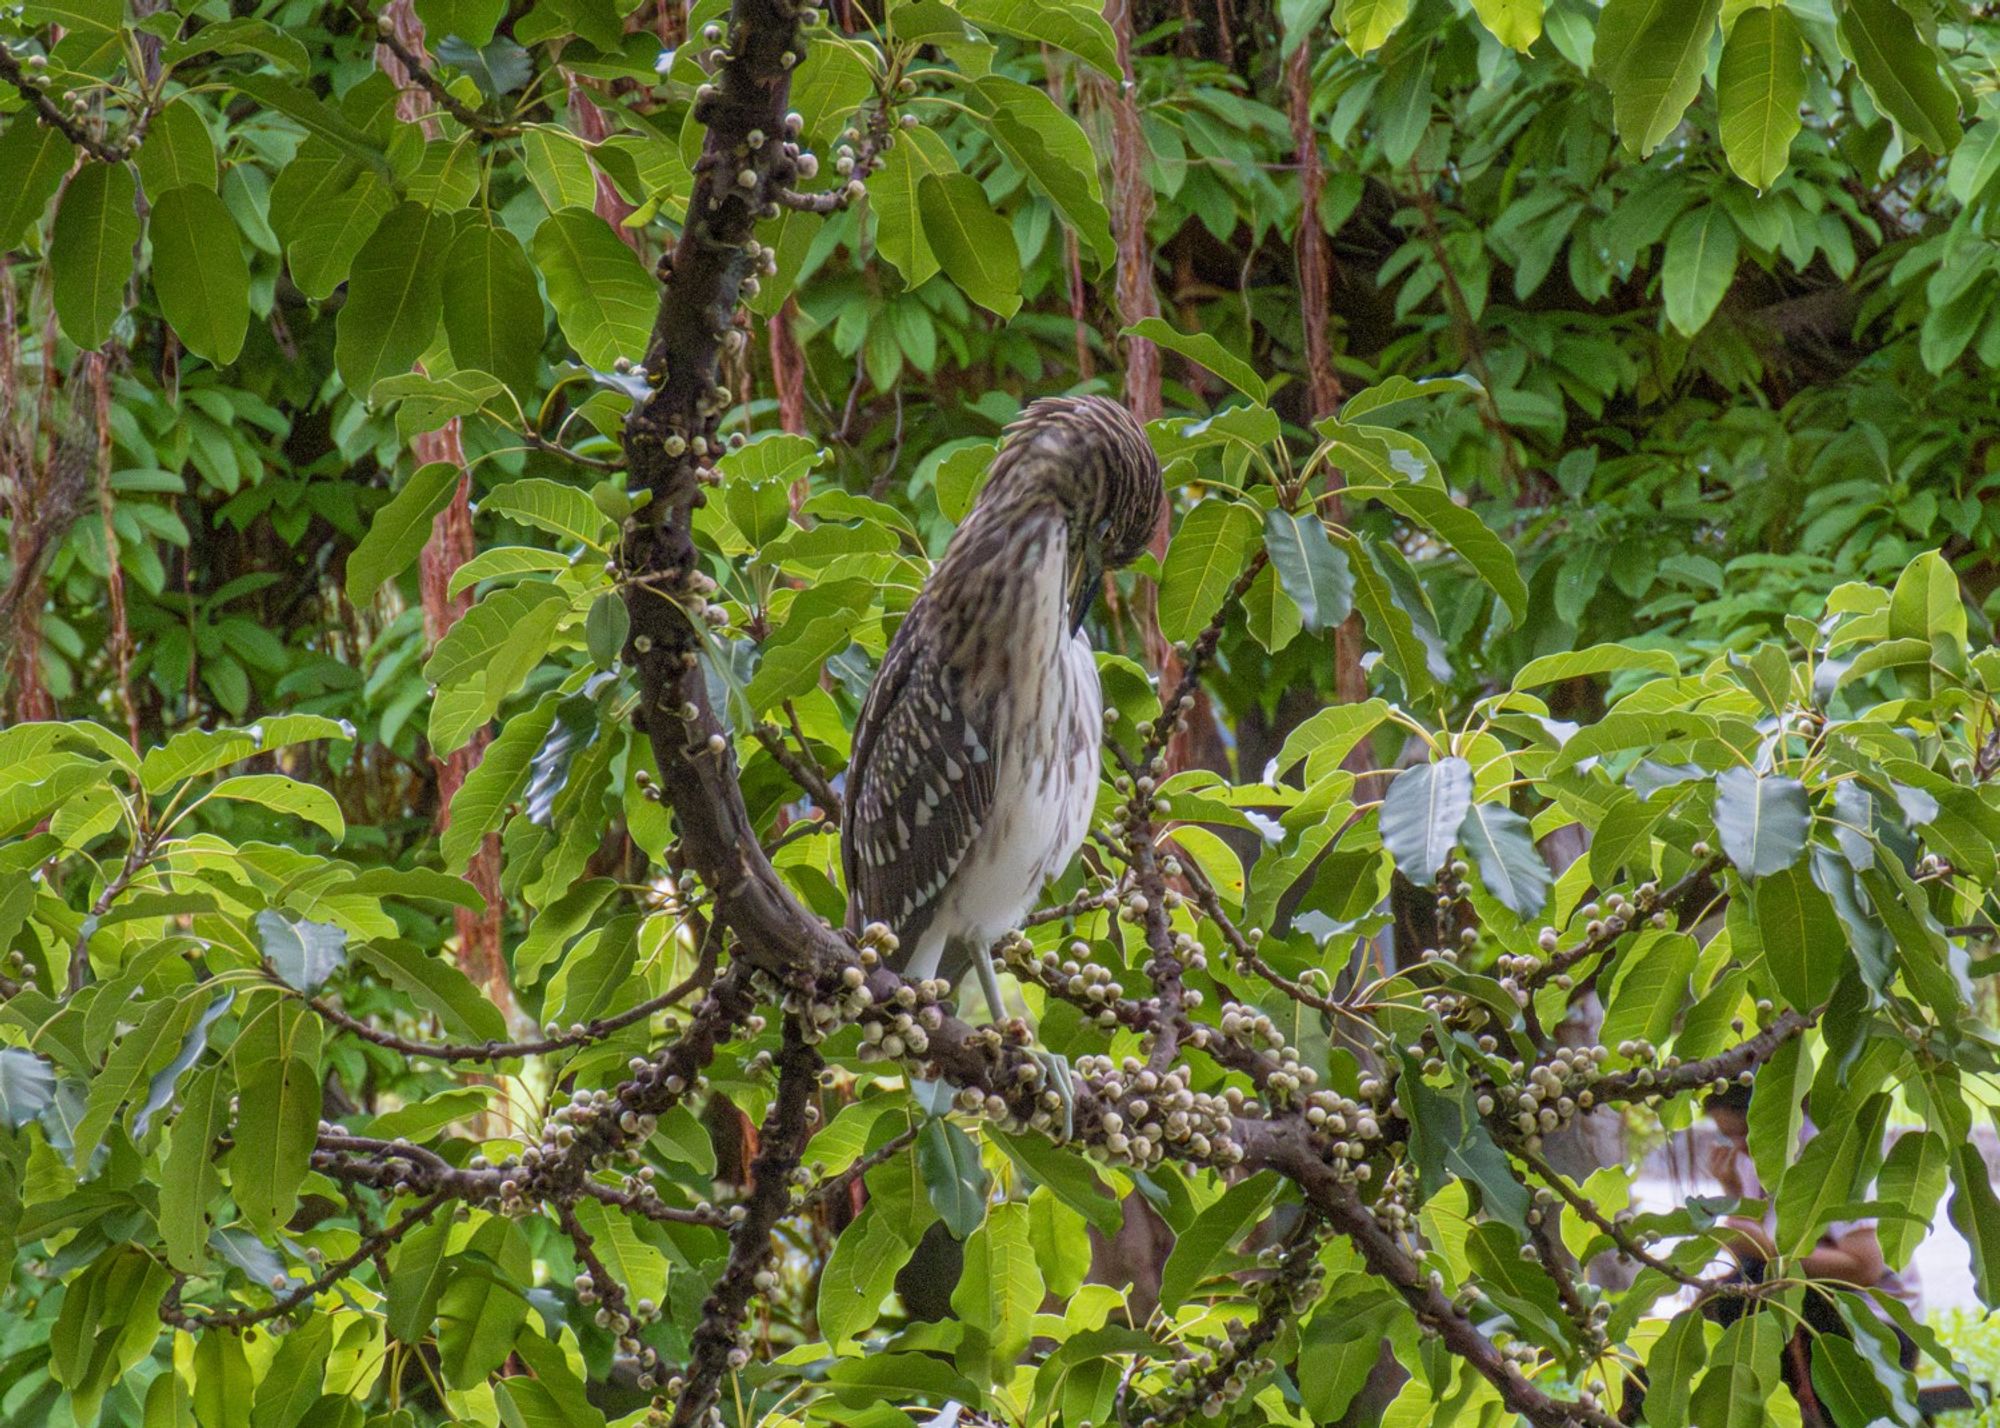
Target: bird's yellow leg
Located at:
point(1055, 1068)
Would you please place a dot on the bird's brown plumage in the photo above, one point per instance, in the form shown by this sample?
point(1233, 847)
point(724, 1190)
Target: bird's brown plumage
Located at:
point(975, 760)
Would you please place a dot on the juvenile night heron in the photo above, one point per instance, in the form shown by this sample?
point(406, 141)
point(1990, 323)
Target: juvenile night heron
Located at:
point(976, 759)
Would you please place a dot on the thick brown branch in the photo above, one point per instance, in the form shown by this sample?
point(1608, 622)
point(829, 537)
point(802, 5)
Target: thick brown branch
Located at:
point(716, 1349)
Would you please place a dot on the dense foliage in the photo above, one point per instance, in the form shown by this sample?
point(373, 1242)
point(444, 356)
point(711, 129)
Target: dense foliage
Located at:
point(420, 790)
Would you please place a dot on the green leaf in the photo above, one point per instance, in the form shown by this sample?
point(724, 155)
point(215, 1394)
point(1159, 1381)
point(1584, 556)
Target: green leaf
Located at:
point(27, 1086)
point(177, 150)
point(438, 987)
point(636, 1265)
point(894, 199)
point(199, 275)
point(1598, 659)
point(1208, 552)
point(1198, 1248)
point(558, 168)
point(1976, 1213)
point(1509, 865)
point(303, 953)
point(292, 1381)
point(974, 244)
point(397, 534)
point(1079, 29)
point(492, 307)
point(1464, 532)
point(281, 1097)
point(90, 250)
point(1699, 266)
point(38, 157)
point(1000, 1288)
point(189, 1180)
point(503, 563)
point(416, 1279)
point(471, 20)
point(1913, 1177)
point(1367, 24)
point(313, 115)
point(1201, 348)
point(1651, 990)
point(953, 1177)
point(550, 506)
point(1516, 24)
point(604, 298)
point(862, 1268)
point(1758, 92)
point(1651, 53)
point(1805, 948)
point(605, 628)
point(1901, 71)
point(1051, 149)
point(1421, 815)
point(497, 781)
point(1676, 1357)
point(286, 795)
point(1823, 1178)
point(482, 1307)
point(1338, 1348)
point(1325, 739)
point(1311, 570)
point(498, 642)
point(394, 298)
point(324, 206)
point(1762, 820)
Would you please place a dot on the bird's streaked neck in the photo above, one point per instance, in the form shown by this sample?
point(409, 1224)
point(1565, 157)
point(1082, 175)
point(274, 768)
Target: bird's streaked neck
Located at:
point(1086, 570)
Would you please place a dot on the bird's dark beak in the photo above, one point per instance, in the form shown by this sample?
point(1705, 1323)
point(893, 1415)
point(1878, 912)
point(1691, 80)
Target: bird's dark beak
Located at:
point(1086, 571)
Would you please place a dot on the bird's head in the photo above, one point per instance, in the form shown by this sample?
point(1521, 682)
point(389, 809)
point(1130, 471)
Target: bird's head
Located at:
point(1092, 457)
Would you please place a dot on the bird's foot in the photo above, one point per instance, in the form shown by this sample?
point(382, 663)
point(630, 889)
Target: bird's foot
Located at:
point(1057, 1083)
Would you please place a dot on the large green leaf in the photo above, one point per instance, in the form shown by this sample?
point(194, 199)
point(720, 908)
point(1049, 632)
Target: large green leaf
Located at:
point(1208, 552)
point(199, 274)
point(1758, 91)
point(1000, 1288)
point(497, 643)
point(1309, 567)
point(1421, 816)
point(37, 157)
point(399, 530)
point(1901, 71)
point(1503, 847)
point(1805, 947)
point(324, 206)
point(177, 150)
point(1976, 1212)
point(1200, 1247)
point(96, 228)
point(1699, 266)
point(492, 307)
point(1367, 24)
point(394, 298)
point(1204, 349)
point(1464, 532)
point(604, 298)
point(973, 243)
point(1651, 54)
point(1762, 820)
point(1051, 149)
point(893, 198)
point(1913, 1178)
point(1080, 29)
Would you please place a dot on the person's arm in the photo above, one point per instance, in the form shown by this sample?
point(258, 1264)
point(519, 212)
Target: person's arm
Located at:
point(1853, 1255)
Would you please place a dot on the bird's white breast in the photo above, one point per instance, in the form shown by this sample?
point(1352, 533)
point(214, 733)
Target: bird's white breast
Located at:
point(1045, 779)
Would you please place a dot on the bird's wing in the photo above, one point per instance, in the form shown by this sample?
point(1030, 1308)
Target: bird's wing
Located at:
point(919, 787)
